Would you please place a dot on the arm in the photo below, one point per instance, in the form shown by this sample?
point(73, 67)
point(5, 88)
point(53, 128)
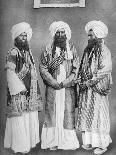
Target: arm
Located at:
point(70, 81)
point(15, 85)
point(104, 68)
point(11, 60)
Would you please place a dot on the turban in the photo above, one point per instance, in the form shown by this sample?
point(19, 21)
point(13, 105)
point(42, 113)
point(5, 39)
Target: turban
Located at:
point(98, 27)
point(59, 25)
point(21, 28)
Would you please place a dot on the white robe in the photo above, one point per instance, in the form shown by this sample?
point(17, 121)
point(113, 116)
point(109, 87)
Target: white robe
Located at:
point(22, 133)
point(101, 140)
point(58, 136)
point(96, 139)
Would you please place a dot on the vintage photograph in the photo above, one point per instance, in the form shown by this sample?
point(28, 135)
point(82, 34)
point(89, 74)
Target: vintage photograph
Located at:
point(58, 77)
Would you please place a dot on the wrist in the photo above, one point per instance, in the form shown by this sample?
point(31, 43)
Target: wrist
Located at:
point(61, 85)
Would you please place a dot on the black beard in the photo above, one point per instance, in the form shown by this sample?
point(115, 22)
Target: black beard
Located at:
point(59, 42)
point(93, 43)
point(21, 45)
point(95, 48)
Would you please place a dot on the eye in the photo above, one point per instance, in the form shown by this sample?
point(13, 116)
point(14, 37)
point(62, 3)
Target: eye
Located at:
point(57, 33)
point(62, 32)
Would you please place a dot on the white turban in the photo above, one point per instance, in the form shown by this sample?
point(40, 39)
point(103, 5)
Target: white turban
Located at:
point(98, 27)
point(21, 28)
point(59, 25)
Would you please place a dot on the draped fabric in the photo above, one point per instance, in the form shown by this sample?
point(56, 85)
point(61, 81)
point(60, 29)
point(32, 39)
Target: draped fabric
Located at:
point(21, 28)
point(93, 108)
point(57, 25)
point(71, 67)
point(23, 102)
point(59, 126)
point(22, 132)
point(23, 93)
point(98, 27)
point(59, 136)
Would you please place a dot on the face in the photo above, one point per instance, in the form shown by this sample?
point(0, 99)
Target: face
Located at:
point(23, 37)
point(91, 35)
point(21, 42)
point(60, 36)
point(60, 33)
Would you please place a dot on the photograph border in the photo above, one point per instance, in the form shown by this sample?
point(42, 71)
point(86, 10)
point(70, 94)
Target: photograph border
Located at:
point(38, 4)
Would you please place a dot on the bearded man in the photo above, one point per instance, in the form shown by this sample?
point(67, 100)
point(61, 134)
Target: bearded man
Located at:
point(58, 69)
point(95, 83)
point(23, 94)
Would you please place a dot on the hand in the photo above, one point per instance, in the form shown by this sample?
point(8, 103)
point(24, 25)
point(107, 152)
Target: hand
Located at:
point(61, 85)
point(83, 86)
point(23, 92)
point(57, 86)
point(78, 80)
point(91, 82)
point(87, 83)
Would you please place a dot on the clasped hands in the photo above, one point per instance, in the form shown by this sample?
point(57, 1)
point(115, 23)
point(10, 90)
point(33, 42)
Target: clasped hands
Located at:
point(84, 85)
point(87, 84)
point(58, 86)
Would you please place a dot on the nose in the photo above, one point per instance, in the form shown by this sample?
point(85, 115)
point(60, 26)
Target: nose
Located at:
point(60, 34)
point(24, 37)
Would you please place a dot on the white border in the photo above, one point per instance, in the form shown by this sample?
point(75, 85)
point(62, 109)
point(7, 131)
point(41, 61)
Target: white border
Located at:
point(37, 4)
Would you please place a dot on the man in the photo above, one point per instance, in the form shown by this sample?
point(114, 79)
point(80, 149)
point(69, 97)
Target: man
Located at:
point(58, 69)
point(23, 94)
point(95, 76)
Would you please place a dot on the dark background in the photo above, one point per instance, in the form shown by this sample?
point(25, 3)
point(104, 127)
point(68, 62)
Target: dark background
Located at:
point(15, 11)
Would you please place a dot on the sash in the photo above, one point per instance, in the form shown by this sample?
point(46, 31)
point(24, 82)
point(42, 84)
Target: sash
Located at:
point(56, 62)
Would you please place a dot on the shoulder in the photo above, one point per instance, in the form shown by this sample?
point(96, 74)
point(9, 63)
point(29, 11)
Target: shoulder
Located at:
point(47, 50)
point(71, 45)
point(48, 47)
point(13, 51)
point(106, 51)
point(72, 48)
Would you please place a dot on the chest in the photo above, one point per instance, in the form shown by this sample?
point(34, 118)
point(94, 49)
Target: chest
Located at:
point(21, 59)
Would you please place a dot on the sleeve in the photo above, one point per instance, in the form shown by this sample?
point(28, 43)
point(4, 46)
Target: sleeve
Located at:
point(106, 62)
point(102, 83)
point(43, 68)
point(105, 66)
point(70, 81)
point(15, 85)
point(11, 59)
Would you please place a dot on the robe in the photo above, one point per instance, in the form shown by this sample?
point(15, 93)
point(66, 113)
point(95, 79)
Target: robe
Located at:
point(23, 102)
point(59, 125)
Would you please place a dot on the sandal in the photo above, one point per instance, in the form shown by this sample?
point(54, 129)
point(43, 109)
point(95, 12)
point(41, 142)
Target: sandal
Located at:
point(100, 151)
point(87, 147)
point(54, 148)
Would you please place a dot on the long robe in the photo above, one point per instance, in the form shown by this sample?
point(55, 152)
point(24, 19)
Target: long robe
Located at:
point(23, 102)
point(59, 126)
point(93, 110)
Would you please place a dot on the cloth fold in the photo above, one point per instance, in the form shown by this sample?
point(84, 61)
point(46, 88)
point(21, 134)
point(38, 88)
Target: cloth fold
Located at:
point(15, 85)
point(98, 27)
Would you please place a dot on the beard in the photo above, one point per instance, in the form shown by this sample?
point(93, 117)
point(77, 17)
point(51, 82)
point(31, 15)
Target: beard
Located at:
point(96, 42)
point(92, 42)
point(94, 46)
point(59, 42)
point(21, 45)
